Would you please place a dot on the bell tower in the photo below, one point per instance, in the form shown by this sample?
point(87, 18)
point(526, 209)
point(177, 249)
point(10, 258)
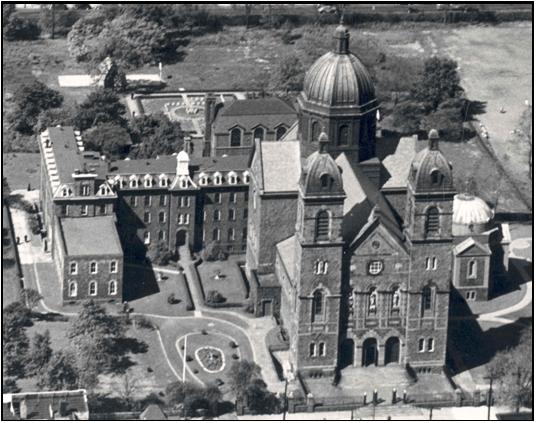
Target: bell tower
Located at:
point(319, 250)
point(428, 229)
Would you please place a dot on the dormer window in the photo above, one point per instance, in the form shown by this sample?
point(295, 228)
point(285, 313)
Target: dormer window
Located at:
point(163, 180)
point(326, 181)
point(133, 181)
point(121, 182)
point(436, 177)
point(183, 182)
point(85, 190)
point(245, 177)
point(203, 179)
point(231, 178)
point(280, 132)
point(258, 133)
point(64, 192)
point(235, 137)
point(217, 178)
point(148, 181)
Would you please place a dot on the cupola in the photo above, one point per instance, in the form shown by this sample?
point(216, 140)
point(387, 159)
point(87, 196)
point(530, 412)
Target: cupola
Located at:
point(183, 162)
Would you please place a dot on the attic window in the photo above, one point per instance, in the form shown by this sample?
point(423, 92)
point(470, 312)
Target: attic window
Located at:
point(436, 177)
point(148, 181)
point(326, 181)
point(217, 178)
point(280, 132)
point(203, 180)
point(236, 137)
point(258, 133)
point(245, 176)
point(163, 181)
point(232, 178)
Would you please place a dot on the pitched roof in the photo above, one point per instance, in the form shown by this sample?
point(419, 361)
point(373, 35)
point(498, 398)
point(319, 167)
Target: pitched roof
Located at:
point(66, 154)
point(398, 164)
point(287, 252)
point(280, 166)
point(153, 412)
point(363, 202)
point(40, 404)
point(468, 243)
point(86, 236)
point(248, 114)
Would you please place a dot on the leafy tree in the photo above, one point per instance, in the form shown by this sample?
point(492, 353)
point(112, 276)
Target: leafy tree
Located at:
point(15, 315)
point(52, 117)
point(160, 255)
point(94, 335)
point(242, 374)
point(14, 350)
point(447, 121)
point(9, 385)
point(40, 353)
point(260, 400)
point(406, 118)
point(7, 10)
point(440, 81)
point(100, 106)
point(214, 251)
point(108, 138)
point(193, 397)
point(127, 388)
point(512, 371)
point(17, 28)
point(31, 298)
point(60, 373)
point(155, 135)
point(290, 73)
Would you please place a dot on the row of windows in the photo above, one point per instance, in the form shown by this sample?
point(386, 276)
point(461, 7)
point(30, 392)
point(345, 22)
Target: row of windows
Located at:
point(343, 133)
point(92, 288)
point(231, 215)
point(84, 209)
point(317, 350)
point(231, 234)
point(93, 267)
point(236, 135)
point(218, 179)
point(184, 201)
point(320, 267)
point(164, 181)
point(426, 345)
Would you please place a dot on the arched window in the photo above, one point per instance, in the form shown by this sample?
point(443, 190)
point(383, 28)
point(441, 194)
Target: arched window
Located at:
point(344, 135)
point(432, 220)
point(279, 132)
point(318, 306)
point(93, 288)
point(312, 349)
point(373, 301)
point(322, 226)
point(216, 235)
point(236, 137)
point(315, 131)
point(326, 181)
point(436, 177)
point(322, 349)
point(258, 133)
point(395, 301)
point(427, 298)
point(112, 288)
point(73, 289)
point(471, 269)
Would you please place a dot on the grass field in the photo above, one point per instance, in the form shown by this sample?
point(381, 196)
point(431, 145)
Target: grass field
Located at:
point(21, 169)
point(230, 285)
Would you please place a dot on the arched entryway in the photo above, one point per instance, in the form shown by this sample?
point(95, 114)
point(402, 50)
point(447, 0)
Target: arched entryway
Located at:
point(392, 350)
point(370, 352)
point(181, 238)
point(347, 353)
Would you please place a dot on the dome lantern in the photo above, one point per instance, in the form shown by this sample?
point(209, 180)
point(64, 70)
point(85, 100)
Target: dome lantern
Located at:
point(342, 38)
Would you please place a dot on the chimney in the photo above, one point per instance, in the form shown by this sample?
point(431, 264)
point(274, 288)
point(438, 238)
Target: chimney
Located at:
point(210, 114)
point(23, 410)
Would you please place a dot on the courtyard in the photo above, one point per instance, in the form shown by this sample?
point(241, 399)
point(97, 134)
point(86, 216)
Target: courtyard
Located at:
point(226, 278)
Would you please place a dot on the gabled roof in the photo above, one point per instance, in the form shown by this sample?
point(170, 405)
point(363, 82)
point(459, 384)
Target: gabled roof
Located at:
point(280, 166)
point(468, 243)
point(87, 236)
point(153, 412)
point(398, 164)
point(363, 202)
point(249, 114)
point(374, 226)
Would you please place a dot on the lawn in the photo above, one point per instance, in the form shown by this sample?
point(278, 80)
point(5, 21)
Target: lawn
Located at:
point(230, 283)
point(21, 169)
point(146, 295)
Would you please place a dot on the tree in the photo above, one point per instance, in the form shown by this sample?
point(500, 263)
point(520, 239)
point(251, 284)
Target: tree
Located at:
point(40, 353)
point(108, 138)
point(60, 373)
point(406, 118)
point(58, 21)
point(260, 400)
point(17, 28)
point(30, 101)
point(290, 73)
point(155, 135)
point(242, 374)
point(193, 397)
point(440, 81)
point(14, 350)
point(127, 388)
point(213, 251)
point(9, 385)
point(53, 117)
point(215, 297)
point(160, 255)
point(94, 335)
point(15, 315)
point(100, 106)
point(7, 10)
point(31, 297)
point(512, 371)
point(448, 122)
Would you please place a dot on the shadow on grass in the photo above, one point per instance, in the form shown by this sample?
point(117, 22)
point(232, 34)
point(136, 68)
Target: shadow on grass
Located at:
point(475, 107)
point(519, 272)
point(139, 283)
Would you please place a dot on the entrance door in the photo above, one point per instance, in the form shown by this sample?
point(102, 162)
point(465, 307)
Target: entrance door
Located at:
point(267, 308)
point(370, 352)
point(180, 239)
point(392, 350)
point(347, 353)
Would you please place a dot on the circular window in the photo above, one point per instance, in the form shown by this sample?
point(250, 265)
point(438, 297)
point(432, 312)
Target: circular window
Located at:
point(375, 267)
point(375, 244)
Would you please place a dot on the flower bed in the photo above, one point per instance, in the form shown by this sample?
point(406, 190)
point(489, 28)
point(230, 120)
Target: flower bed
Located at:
point(211, 359)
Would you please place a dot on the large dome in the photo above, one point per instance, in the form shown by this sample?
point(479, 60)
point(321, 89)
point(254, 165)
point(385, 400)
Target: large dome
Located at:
point(339, 78)
point(470, 210)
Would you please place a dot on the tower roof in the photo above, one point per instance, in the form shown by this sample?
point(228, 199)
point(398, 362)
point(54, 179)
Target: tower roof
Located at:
point(321, 175)
point(339, 78)
point(430, 171)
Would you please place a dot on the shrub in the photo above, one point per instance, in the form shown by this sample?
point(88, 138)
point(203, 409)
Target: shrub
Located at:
point(172, 300)
point(215, 297)
point(21, 29)
point(233, 344)
point(143, 322)
point(189, 358)
point(204, 332)
point(235, 356)
point(34, 223)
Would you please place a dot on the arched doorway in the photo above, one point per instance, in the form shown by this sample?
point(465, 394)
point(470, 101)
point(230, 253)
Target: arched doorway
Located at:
point(392, 350)
point(370, 352)
point(347, 353)
point(181, 238)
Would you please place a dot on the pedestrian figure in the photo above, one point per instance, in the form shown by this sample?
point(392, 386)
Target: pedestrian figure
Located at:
point(29, 187)
point(25, 238)
point(18, 240)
